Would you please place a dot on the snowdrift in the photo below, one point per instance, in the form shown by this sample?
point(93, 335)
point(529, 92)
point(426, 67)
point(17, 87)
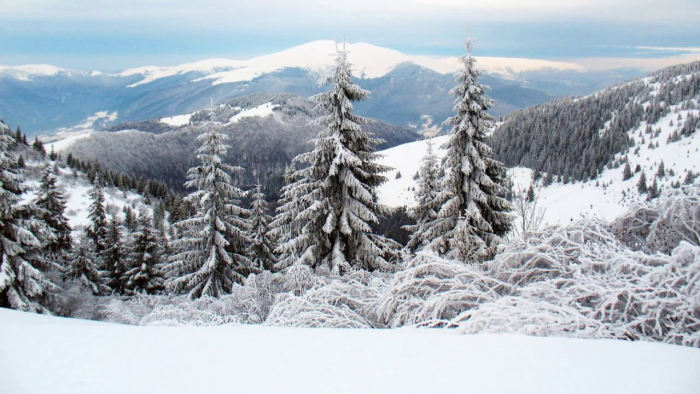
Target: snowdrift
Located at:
point(43, 354)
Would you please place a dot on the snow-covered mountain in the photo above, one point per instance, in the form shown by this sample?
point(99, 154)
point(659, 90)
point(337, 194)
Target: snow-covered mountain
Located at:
point(369, 62)
point(671, 138)
point(44, 98)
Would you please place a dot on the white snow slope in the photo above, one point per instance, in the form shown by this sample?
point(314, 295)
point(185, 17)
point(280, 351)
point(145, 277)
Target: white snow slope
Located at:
point(567, 202)
point(369, 61)
point(44, 354)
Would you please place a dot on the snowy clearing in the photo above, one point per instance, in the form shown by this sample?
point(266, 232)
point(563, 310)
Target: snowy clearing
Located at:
point(261, 111)
point(43, 354)
point(177, 120)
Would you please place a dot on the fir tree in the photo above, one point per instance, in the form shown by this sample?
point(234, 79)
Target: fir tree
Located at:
point(210, 251)
point(53, 204)
point(20, 162)
point(426, 208)
point(288, 207)
point(661, 172)
point(83, 266)
point(114, 259)
point(262, 245)
point(653, 190)
point(689, 178)
point(627, 172)
point(637, 169)
point(97, 229)
point(642, 184)
point(23, 283)
point(145, 273)
point(472, 216)
point(530, 197)
point(337, 193)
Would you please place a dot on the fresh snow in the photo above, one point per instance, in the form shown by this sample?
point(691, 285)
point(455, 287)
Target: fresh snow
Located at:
point(369, 61)
point(568, 202)
point(177, 121)
point(261, 111)
point(64, 137)
point(44, 354)
point(26, 72)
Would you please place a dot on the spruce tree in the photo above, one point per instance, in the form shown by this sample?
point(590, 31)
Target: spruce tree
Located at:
point(262, 245)
point(210, 252)
point(114, 258)
point(626, 172)
point(653, 190)
point(335, 199)
point(97, 214)
point(661, 171)
point(84, 267)
point(642, 184)
point(426, 209)
point(530, 196)
point(23, 283)
point(281, 226)
point(145, 265)
point(53, 204)
point(20, 162)
point(473, 216)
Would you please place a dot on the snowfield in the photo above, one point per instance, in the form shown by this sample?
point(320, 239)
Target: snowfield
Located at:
point(44, 354)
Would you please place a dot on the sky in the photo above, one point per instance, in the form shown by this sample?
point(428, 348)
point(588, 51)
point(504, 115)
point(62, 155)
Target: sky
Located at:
point(112, 35)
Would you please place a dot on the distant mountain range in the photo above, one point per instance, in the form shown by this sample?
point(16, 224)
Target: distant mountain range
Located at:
point(410, 91)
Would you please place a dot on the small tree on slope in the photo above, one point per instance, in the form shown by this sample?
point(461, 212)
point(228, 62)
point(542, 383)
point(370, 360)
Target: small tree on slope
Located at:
point(426, 208)
point(97, 214)
point(337, 193)
point(210, 250)
point(53, 203)
point(145, 273)
point(472, 216)
point(114, 259)
point(83, 266)
point(23, 284)
point(262, 245)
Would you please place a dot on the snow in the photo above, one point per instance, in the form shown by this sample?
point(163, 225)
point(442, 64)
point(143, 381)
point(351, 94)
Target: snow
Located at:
point(44, 354)
point(369, 61)
point(567, 202)
point(26, 72)
point(64, 137)
point(177, 121)
point(261, 111)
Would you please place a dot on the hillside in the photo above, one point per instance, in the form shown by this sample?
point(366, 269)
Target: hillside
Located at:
point(666, 109)
point(44, 98)
point(266, 132)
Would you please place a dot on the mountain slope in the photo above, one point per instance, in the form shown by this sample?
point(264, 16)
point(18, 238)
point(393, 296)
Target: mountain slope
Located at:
point(44, 98)
point(669, 101)
point(266, 132)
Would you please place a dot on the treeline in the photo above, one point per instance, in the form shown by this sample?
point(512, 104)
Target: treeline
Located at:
point(576, 139)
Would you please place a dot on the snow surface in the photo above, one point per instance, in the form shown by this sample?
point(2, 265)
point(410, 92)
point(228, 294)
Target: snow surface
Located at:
point(64, 137)
point(261, 111)
point(369, 61)
point(45, 354)
point(567, 202)
point(177, 120)
point(26, 72)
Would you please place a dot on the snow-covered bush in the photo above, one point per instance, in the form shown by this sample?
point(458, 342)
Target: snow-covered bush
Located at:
point(431, 291)
point(660, 225)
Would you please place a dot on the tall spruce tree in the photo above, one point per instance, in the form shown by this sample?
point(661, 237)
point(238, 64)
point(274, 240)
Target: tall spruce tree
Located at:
point(426, 208)
point(51, 200)
point(23, 235)
point(145, 265)
point(97, 214)
point(642, 184)
point(288, 206)
point(210, 250)
point(473, 216)
point(334, 200)
point(262, 245)
point(84, 267)
point(114, 258)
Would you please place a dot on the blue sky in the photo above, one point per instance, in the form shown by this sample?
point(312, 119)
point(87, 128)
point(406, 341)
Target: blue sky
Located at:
point(113, 35)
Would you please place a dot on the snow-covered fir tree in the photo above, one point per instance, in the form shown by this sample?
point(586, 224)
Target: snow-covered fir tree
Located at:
point(426, 208)
point(281, 226)
point(334, 200)
point(211, 249)
point(23, 235)
point(144, 261)
point(473, 216)
point(51, 200)
point(262, 245)
point(114, 258)
point(84, 268)
point(97, 214)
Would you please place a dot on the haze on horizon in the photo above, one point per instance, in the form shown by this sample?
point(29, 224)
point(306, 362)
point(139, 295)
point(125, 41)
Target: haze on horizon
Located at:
point(110, 36)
